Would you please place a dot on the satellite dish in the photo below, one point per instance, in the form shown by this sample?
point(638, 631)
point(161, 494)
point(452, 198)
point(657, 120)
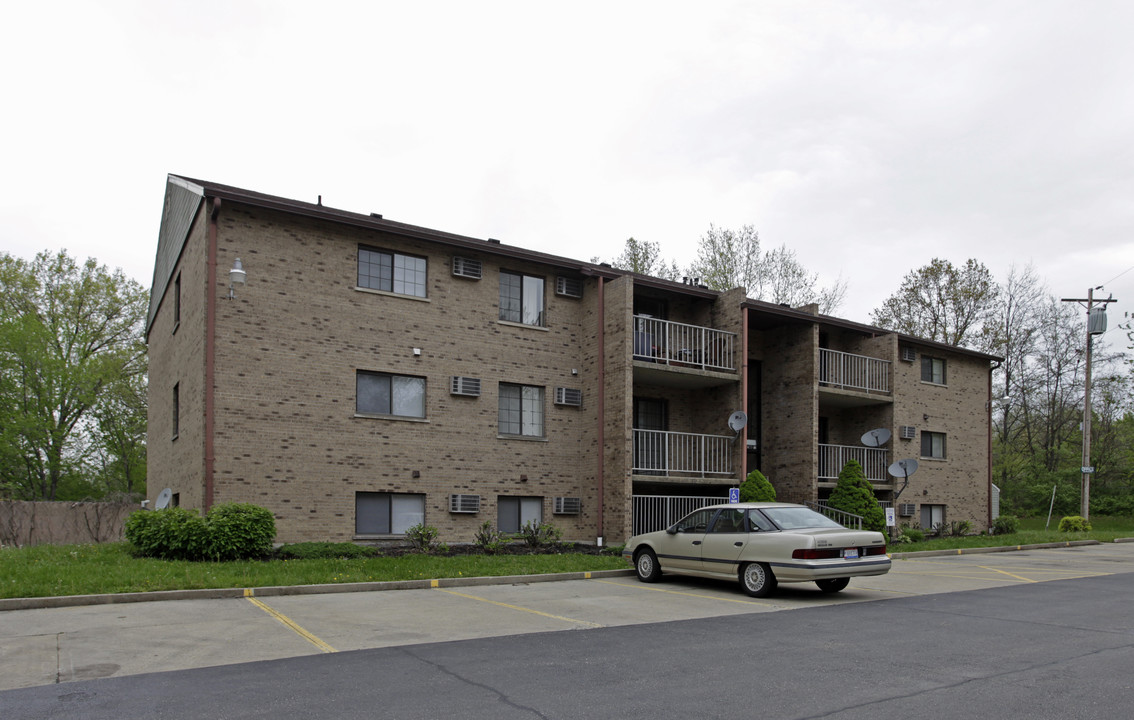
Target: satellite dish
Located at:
point(903, 468)
point(876, 438)
point(163, 499)
point(737, 421)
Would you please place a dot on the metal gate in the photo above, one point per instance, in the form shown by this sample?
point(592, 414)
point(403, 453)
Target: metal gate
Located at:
point(657, 512)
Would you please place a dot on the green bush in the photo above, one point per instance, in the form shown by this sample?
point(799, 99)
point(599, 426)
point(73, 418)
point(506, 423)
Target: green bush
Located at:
point(756, 488)
point(229, 532)
point(540, 534)
point(913, 534)
point(325, 551)
point(1006, 525)
point(854, 494)
point(902, 539)
point(422, 537)
point(1074, 523)
point(489, 539)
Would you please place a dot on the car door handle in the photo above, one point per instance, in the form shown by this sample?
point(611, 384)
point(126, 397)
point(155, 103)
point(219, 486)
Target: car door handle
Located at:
point(738, 544)
point(696, 542)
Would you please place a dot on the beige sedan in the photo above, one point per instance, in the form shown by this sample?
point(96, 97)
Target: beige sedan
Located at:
point(761, 545)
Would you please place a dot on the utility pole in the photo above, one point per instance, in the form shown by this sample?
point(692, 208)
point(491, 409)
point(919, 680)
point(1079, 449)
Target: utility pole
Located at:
point(1096, 325)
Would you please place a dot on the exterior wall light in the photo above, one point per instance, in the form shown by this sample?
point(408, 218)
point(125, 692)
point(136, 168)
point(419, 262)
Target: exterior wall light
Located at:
point(236, 276)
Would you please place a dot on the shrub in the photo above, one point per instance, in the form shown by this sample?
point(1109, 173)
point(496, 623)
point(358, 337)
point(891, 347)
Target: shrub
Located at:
point(962, 527)
point(539, 534)
point(1074, 523)
point(489, 539)
point(1005, 525)
point(854, 494)
point(902, 539)
point(325, 551)
point(422, 537)
point(756, 488)
point(913, 534)
point(172, 533)
point(239, 530)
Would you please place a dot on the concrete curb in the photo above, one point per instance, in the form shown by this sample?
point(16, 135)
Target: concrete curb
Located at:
point(277, 591)
point(1002, 548)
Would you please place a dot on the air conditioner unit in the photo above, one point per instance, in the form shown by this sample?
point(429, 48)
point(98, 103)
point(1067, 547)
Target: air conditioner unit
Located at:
point(467, 386)
point(464, 503)
point(906, 509)
point(909, 354)
point(908, 432)
point(568, 287)
point(567, 506)
point(467, 268)
point(568, 396)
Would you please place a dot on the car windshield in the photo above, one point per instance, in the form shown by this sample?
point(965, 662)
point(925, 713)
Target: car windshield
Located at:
point(795, 518)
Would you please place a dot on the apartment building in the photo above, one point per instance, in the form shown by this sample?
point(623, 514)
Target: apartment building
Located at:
point(357, 376)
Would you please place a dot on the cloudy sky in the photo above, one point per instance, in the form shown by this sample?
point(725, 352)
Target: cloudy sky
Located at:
point(870, 137)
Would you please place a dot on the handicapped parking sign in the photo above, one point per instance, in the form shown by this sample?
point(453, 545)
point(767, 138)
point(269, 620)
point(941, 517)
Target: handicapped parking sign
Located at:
point(734, 495)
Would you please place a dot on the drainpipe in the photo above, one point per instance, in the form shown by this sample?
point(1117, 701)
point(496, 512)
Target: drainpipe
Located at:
point(601, 404)
point(210, 348)
point(991, 370)
point(744, 394)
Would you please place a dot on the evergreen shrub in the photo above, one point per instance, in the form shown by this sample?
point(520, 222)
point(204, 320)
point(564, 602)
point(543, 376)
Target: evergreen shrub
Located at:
point(1074, 523)
point(854, 494)
point(757, 488)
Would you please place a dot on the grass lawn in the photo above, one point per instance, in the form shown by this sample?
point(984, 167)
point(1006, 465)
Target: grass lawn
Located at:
point(1104, 529)
point(48, 570)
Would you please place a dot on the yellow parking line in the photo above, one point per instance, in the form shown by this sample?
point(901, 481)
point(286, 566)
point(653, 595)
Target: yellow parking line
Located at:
point(249, 595)
point(1018, 577)
point(521, 609)
point(688, 594)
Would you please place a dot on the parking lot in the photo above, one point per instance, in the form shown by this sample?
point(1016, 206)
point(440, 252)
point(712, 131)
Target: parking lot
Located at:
point(57, 645)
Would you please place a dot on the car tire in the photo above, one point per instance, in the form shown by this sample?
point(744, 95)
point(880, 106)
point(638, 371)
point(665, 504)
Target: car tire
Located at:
point(646, 565)
point(757, 579)
point(832, 585)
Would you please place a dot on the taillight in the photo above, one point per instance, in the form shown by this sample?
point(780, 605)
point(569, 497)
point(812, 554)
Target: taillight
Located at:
point(875, 550)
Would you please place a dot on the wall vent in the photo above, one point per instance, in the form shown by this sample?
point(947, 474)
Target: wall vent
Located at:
point(467, 386)
point(568, 287)
point(568, 506)
point(908, 432)
point(906, 509)
point(467, 268)
point(568, 396)
point(909, 354)
point(464, 503)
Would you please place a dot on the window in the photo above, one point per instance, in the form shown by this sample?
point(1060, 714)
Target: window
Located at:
point(933, 445)
point(386, 394)
point(177, 302)
point(521, 298)
point(932, 516)
point(933, 370)
point(512, 513)
point(521, 410)
point(729, 521)
point(176, 409)
point(382, 513)
point(696, 522)
point(391, 272)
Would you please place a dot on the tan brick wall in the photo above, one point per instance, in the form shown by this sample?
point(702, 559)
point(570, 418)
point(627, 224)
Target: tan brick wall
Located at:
point(789, 358)
point(618, 450)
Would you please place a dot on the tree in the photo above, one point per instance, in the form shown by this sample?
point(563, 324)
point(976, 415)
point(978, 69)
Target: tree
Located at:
point(756, 488)
point(645, 258)
point(70, 335)
point(944, 303)
point(854, 494)
point(733, 258)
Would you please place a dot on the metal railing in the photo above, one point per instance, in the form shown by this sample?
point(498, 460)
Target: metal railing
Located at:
point(832, 458)
point(840, 516)
point(682, 345)
point(656, 512)
point(853, 372)
point(659, 452)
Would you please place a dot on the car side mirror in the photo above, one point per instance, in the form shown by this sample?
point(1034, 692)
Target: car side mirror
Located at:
point(672, 529)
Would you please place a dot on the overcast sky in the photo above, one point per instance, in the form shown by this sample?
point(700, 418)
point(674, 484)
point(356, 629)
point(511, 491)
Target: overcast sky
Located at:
point(869, 137)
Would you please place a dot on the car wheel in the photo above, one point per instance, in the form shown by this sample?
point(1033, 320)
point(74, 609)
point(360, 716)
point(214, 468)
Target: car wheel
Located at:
point(646, 564)
point(832, 585)
point(757, 579)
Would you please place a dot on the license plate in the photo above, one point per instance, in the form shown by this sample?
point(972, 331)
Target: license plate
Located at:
point(850, 553)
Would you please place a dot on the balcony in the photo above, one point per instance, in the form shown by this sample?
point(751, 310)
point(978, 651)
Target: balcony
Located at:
point(668, 454)
point(680, 345)
point(853, 372)
point(874, 462)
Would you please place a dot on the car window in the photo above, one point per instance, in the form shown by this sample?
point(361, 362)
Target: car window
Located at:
point(729, 521)
point(758, 523)
point(797, 518)
point(695, 522)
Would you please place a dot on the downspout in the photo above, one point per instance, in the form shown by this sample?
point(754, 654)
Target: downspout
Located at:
point(744, 394)
point(601, 404)
point(996, 364)
point(210, 349)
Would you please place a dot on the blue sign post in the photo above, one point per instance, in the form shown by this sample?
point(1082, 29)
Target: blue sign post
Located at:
point(734, 495)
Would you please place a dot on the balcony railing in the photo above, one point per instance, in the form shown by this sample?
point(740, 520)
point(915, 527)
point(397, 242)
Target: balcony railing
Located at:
point(832, 458)
point(847, 519)
point(656, 512)
point(853, 372)
point(682, 345)
point(658, 452)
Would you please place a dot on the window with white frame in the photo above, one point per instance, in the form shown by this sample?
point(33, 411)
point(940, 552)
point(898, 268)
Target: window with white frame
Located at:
point(521, 298)
point(384, 513)
point(933, 445)
point(521, 410)
point(933, 370)
point(387, 394)
point(512, 513)
point(391, 272)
